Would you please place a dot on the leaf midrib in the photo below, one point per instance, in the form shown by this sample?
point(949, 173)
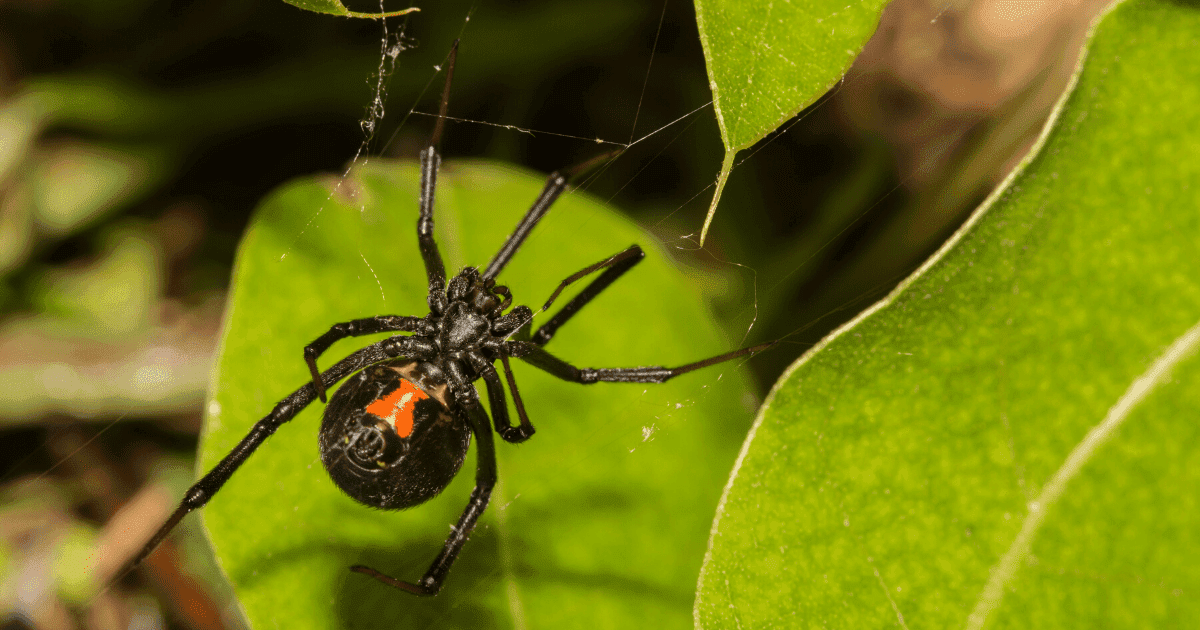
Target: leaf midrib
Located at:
point(1002, 574)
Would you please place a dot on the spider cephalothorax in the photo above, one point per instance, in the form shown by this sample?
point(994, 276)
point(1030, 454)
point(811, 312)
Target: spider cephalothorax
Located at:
point(397, 431)
point(472, 323)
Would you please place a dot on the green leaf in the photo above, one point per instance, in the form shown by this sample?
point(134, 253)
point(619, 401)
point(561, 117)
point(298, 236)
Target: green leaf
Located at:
point(334, 7)
point(600, 519)
point(1010, 438)
point(768, 60)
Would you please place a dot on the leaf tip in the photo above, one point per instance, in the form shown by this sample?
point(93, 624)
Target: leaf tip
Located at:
point(722, 177)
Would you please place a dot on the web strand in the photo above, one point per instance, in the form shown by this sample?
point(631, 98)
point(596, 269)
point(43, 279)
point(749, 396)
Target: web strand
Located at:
point(649, 64)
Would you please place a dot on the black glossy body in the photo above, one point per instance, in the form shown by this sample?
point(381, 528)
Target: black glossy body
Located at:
point(365, 456)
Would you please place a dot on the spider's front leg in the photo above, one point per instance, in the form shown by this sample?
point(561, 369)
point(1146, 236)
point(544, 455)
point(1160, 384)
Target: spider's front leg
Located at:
point(614, 267)
point(555, 185)
point(466, 403)
point(536, 356)
point(435, 270)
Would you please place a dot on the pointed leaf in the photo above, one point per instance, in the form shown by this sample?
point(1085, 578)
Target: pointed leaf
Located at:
point(769, 59)
point(334, 7)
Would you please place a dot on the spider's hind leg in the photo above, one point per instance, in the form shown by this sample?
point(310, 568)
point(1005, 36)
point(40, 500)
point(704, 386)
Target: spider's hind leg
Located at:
point(203, 490)
point(485, 479)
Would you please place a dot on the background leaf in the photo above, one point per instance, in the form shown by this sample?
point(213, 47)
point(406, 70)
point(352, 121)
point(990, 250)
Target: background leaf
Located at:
point(892, 470)
point(334, 7)
point(768, 60)
point(600, 519)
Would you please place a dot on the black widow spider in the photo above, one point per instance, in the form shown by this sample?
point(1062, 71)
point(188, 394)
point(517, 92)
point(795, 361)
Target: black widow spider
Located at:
point(396, 433)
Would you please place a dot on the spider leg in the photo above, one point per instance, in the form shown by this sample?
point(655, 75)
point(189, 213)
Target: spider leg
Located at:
point(614, 267)
point(536, 356)
point(527, 429)
point(353, 328)
point(555, 186)
point(485, 479)
point(500, 417)
point(202, 491)
point(435, 270)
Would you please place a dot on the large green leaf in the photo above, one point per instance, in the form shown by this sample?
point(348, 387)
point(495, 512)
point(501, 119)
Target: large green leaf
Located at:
point(768, 59)
point(600, 519)
point(1010, 438)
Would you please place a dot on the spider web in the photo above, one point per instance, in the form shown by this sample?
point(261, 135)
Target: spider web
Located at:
point(665, 228)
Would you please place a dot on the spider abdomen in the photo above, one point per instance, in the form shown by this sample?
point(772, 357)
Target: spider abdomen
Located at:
point(388, 438)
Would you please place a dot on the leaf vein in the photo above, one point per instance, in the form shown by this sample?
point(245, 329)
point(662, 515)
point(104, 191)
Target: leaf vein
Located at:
point(1005, 570)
